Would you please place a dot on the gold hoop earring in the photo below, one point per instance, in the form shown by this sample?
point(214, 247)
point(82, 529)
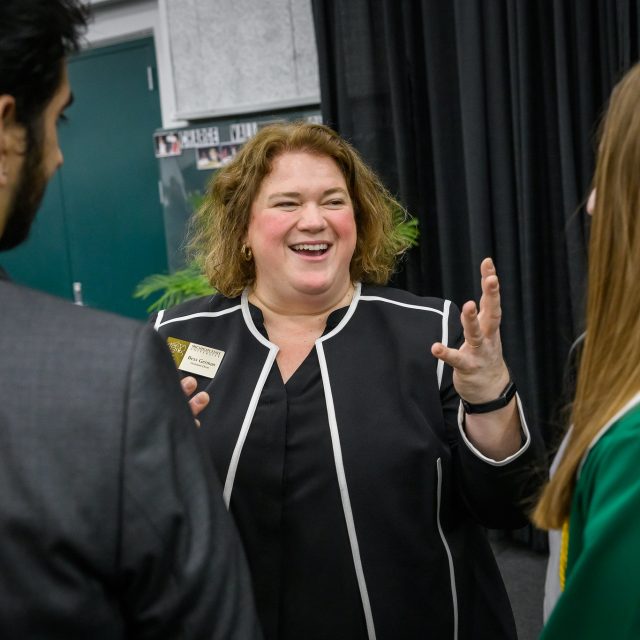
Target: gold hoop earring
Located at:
point(246, 253)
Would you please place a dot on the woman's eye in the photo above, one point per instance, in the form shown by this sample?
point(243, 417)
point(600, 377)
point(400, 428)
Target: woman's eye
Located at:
point(335, 203)
point(288, 204)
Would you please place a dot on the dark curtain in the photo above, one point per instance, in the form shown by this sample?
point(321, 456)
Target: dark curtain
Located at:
point(481, 115)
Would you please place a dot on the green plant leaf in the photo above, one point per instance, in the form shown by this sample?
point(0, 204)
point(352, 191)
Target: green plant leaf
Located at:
point(408, 230)
point(173, 288)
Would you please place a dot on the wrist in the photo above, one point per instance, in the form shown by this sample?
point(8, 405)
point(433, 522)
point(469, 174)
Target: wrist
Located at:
point(499, 402)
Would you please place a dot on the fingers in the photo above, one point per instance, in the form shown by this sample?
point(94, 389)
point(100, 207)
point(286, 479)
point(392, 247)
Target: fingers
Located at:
point(199, 402)
point(487, 268)
point(481, 327)
point(452, 357)
point(490, 308)
point(189, 385)
point(473, 340)
point(473, 334)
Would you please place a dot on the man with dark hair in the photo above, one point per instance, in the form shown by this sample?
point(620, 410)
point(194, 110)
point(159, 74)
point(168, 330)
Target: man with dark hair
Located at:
point(112, 523)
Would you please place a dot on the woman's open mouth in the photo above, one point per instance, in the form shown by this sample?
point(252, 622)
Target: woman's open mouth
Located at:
point(310, 248)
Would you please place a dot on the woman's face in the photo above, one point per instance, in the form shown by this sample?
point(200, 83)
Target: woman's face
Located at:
point(302, 229)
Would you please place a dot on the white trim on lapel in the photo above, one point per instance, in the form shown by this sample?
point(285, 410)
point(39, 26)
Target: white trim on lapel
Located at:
point(255, 398)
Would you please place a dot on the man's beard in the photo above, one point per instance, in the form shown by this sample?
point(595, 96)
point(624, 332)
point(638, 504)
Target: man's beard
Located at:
point(27, 197)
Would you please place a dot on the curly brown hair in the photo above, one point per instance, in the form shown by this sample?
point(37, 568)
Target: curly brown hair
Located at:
point(220, 224)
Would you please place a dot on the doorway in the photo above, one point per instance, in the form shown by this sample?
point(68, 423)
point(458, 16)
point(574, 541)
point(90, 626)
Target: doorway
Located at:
point(101, 223)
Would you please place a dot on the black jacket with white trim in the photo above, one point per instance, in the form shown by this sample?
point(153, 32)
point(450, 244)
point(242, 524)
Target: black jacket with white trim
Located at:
point(415, 493)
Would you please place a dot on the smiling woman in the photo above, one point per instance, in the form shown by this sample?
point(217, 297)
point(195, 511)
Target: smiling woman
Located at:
point(302, 232)
point(358, 484)
point(220, 225)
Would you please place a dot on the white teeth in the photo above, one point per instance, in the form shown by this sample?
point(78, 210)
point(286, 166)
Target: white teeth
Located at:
point(310, 247)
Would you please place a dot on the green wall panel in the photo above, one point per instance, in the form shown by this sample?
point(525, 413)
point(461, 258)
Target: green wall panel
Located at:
point(105, 227)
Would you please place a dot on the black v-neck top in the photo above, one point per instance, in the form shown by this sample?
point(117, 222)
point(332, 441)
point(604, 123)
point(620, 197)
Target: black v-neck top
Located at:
point(300, 531)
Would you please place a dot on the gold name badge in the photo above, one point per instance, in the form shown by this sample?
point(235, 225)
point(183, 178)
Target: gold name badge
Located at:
point(195, 358)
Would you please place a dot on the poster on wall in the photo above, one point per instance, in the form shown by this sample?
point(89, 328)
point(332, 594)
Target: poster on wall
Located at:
point(173, 143)
point(215, 157)
point(211, 152)
point(238, 133)
point(167, 144)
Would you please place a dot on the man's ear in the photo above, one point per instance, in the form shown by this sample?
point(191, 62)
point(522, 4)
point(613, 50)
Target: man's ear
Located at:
point(13, 137)
point(7, 125)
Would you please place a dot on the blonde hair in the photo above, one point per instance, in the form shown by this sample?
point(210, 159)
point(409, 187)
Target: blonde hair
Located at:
point(609, 370)
point(220, 224)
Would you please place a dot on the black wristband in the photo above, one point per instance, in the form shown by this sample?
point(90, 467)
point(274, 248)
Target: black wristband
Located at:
point(485, 407)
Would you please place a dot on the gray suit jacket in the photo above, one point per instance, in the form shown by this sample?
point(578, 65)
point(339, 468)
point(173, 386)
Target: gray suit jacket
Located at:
point(112, 523)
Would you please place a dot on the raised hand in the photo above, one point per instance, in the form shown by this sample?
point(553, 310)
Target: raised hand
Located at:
point(480, 373)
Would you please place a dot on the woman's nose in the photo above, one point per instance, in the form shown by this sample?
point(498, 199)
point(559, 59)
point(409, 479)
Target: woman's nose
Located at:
point(311, 217)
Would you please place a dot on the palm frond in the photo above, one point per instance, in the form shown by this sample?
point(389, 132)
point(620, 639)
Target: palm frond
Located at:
point(409, 231)
point(173, 288)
